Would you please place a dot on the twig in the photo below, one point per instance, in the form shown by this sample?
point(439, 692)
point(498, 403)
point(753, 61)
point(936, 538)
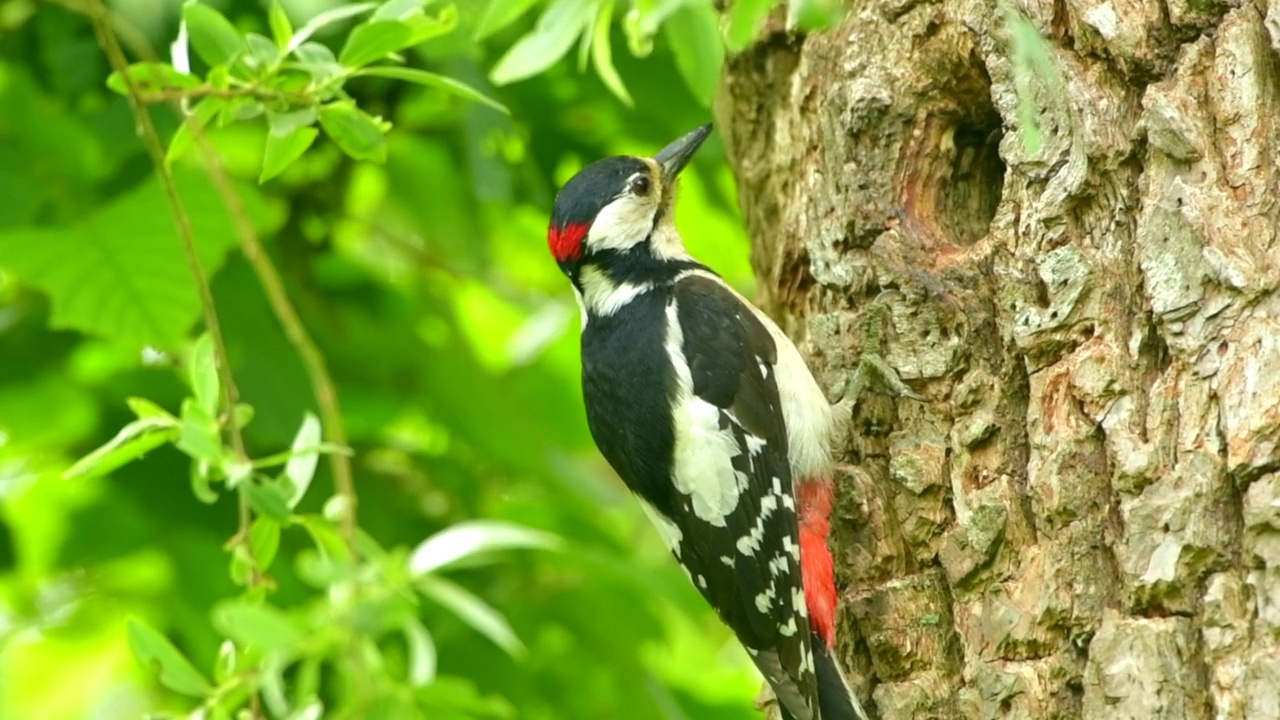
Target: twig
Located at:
point(230, 395)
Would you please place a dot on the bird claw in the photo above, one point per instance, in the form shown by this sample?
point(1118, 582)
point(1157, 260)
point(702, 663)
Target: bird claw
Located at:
point(767, 703)
point(871, 364)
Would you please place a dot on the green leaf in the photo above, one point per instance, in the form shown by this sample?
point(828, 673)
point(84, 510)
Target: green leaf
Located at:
point(473, 611)
point(422, 653)
point(200, 486)
point(121, 272)
point(602, 55)
point(441, 82)
point(301, 467)
point(262, 51)
point(261, 626)
point(200, 436)
point(151, 77)
point(160, 656)
point(328, 17)
point(319, 61)
point(213, 36)
point(354, 131)
point(558, 27)
point(398, 9)
point(744, 22)
point(426, 27)
point(694, 37)
point(467, 540)
point(498, 14)
point(132, 442)
point(144, 408)
point(325, 535)
point(202, 373)
point(281, 28)
point(374, 41)
point(282, 150)
point(200, 115)
point(267, 497)
point(264, 540)
point(814, 15)
point(1032, 62)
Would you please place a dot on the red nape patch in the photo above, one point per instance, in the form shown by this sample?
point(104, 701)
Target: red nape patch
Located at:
point(816, 568)
point(566, 242)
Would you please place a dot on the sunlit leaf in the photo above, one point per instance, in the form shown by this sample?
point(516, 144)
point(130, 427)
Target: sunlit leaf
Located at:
point(264, 540)
point(423, 77)
point(264, 627)
point(745, 17)
point(262, 51)
point(132, 442)
point(814, 15)
point(320, 62)
point(354, 131)
point(201, 114)
point(559, 26)
point(282, 149)
point(426, 27)
point(144, 408)
point(398, 9)
point(225, 665)
point(281, 28)
point(328, 17)
point(121, 272)
point(202, 373)
point(602, 54)
point(694, 37)
point(498, 14)
point(200, 436)
point(161, 657)
point(475, 612)
point(214, 38)
point(374, 41)
point(302, 465)
point(422, 653)
point(473, 538)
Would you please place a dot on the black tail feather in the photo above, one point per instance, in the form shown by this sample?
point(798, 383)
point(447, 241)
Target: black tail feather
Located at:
point(836, 700)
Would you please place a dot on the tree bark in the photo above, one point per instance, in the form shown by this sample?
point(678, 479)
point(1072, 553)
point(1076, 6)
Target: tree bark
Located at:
point(1083, 518)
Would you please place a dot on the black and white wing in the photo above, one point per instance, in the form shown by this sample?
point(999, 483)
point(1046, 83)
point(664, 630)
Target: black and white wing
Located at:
point(732, 507)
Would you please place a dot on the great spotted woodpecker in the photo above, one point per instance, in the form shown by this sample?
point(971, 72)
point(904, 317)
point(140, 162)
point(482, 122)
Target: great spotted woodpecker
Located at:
point(708, 413)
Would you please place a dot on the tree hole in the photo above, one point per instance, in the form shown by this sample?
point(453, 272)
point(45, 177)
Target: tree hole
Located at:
point(971, 194)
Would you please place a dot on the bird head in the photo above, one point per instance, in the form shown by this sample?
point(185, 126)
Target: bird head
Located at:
point(618, 210)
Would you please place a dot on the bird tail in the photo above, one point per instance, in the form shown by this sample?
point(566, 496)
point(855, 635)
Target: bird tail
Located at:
point(836, 700)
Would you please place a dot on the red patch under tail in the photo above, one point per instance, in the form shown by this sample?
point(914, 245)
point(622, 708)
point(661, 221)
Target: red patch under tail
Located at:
point(815, 497)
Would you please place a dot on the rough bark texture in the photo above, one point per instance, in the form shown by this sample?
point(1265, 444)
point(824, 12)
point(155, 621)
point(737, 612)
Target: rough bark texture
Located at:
point(1083, 520)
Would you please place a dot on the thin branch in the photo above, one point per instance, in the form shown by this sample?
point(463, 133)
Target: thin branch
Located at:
point(230, 395)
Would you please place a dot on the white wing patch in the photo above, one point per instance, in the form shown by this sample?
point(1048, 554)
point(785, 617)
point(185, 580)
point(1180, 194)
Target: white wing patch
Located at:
point(805, 409)
point(704, 452)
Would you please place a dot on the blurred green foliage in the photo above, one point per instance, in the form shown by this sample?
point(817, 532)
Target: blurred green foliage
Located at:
point(450, 334)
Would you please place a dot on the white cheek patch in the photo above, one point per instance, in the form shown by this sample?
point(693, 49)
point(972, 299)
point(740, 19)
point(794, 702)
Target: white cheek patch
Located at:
point(622, 224)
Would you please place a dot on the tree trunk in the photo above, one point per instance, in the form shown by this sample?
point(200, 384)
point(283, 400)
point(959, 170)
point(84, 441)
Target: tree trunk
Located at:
point(1083, 519)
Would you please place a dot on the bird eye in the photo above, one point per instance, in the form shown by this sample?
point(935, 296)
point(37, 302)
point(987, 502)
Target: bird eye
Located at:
point(640, 185)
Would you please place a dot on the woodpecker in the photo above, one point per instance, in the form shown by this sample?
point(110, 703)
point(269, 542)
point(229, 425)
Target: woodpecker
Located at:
point(707, 412)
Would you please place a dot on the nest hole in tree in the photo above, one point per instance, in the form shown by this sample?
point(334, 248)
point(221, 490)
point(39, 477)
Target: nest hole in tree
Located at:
point(955, 174)
point(970, 193)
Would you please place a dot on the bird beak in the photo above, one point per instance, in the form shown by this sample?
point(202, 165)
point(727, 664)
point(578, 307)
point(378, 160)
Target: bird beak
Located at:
point(675, 156)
